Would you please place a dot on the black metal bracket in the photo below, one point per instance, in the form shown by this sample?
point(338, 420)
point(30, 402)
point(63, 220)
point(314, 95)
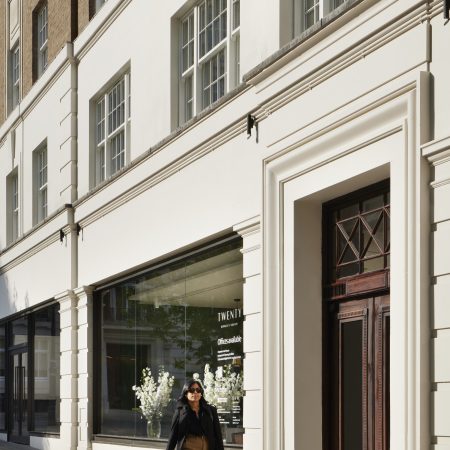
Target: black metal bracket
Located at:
point(447, 9)
point(251, 121)
point(78, 229)
point(61, 235)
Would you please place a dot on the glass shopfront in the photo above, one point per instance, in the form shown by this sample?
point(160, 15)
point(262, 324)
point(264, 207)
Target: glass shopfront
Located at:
point(46, 370)
point(183, 318)
point(29, 374)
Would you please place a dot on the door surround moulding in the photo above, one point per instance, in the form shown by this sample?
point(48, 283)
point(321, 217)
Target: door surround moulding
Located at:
point(372, 153)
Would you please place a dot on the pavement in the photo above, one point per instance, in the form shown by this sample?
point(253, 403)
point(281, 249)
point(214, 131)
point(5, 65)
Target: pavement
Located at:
point(12, 446)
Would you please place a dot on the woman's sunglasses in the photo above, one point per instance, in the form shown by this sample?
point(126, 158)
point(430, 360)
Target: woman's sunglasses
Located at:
point(195, 390)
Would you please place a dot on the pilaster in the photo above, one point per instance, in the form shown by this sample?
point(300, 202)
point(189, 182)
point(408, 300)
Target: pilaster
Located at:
point(85, 362)
point(68, 369)
point(250, 231)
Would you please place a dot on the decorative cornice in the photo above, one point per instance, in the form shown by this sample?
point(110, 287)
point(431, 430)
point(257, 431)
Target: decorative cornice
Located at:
point(248, 227)
point(437, 151)
point(295, 48)
point(83, 291)
point(340, 62)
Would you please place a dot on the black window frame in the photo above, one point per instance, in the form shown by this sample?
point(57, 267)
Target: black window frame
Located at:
point(27, 313)
point(97, 332)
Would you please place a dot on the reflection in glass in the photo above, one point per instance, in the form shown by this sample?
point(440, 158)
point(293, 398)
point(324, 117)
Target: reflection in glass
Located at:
point(19, 403)
point(2, 378)
point(181, 316)
point(20, 331)
point(46, 369)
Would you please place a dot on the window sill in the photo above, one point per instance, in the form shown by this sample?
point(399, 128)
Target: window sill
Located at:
point(50, 434)
point(142, 442)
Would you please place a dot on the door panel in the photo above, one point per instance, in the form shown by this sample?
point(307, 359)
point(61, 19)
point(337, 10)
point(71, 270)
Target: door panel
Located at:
point(360, 374)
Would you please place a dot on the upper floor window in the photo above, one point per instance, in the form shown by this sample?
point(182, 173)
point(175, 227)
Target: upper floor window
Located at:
point(12, 186)
point(112, 129)
point(209, 54)
point(40, 184)
point(308, 12)
point(15, 76)
point(42, 39)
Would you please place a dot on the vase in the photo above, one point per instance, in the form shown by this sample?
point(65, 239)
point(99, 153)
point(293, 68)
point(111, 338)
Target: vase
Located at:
point(154, 428)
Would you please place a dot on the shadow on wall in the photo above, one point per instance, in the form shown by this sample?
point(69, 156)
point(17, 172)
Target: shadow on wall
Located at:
point(10, 302)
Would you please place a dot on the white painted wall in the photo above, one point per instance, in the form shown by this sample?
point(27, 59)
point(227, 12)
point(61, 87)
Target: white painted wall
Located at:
point(204, 198)
point(350, 94)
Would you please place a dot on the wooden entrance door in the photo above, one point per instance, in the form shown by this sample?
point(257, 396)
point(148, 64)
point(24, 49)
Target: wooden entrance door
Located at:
point(356, 337)
point(360, 374)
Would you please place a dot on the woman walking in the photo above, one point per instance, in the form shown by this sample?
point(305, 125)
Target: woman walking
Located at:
point(195, 423)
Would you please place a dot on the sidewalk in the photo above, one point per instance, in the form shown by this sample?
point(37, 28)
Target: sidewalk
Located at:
point(12, 446)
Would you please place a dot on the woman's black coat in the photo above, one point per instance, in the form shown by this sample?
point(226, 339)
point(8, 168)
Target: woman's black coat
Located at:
point(209, 421)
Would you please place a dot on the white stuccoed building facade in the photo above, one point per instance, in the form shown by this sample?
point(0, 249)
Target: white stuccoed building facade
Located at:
point(292, 165)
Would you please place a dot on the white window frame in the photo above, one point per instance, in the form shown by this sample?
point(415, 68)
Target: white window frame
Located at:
point(42, 39)
point(319, 9)
point(195, 91)
point(41, 184)
point(15, 75)
point(13, 206)
point(112, 117)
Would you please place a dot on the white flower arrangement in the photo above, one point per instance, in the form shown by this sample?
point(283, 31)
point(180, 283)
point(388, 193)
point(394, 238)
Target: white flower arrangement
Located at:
point(154, 397)
point(222, 387)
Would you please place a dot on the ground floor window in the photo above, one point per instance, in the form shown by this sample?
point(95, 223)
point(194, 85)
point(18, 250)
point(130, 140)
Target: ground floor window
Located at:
point(182, 318)
point(46, 370)
point(30, 374)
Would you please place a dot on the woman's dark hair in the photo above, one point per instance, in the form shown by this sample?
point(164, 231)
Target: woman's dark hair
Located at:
point(187, 385)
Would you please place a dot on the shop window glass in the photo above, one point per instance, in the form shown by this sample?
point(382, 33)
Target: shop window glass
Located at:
point(20, 331)
point(46, 370)
point(181, 317)
point(2, 378)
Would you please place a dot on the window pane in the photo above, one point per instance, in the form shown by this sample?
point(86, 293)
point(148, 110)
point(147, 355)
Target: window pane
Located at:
point(100, 119)
point(180, 317)
point(352, 384)
point(236, 14)
point(213, 78)
point(116, 103)
point(360, 239)
point(2, 378)
point(14, 207)
point(42, 39)
point(46, 370)
point(188, 98)
point(117, 152)
point(101, 163)
point(15, 67)
point(19, 330)
point(373, 203)
point(212, 24)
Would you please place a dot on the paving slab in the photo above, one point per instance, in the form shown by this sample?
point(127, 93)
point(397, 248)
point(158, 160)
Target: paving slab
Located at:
point(12, 446)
